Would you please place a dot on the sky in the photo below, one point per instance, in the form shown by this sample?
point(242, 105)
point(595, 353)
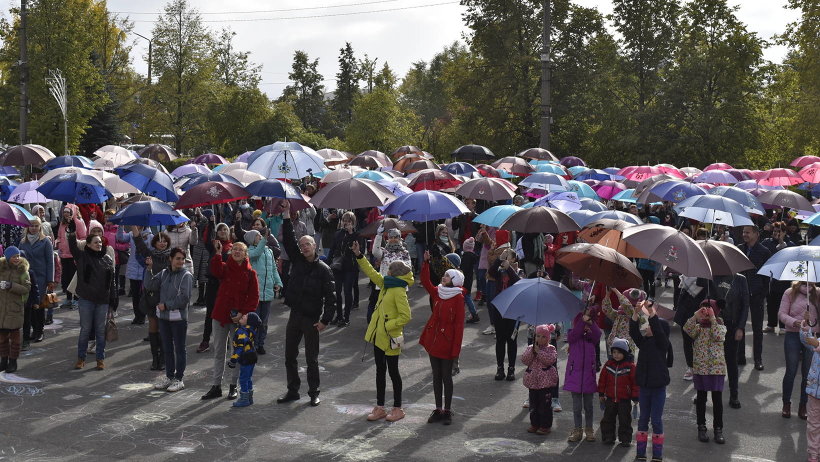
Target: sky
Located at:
point(399, 32)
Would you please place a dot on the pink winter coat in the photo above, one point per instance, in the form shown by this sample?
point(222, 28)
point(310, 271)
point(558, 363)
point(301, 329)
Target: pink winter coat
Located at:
point(541, 372)
point(62, 241)
point(581, 364)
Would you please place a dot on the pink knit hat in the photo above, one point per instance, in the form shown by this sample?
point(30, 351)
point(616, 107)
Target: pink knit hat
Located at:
point(468, 245)
point(545, 330)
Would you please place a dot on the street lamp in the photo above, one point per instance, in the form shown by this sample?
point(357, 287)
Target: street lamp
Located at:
point(150, 49)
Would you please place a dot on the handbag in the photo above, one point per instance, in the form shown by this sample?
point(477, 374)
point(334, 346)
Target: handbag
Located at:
point(48, 299)
point(111, 332)
point(337, 263)
point(395, 342)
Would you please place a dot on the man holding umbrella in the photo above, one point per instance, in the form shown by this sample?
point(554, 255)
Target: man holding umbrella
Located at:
point(758, 287)
point(312, 300)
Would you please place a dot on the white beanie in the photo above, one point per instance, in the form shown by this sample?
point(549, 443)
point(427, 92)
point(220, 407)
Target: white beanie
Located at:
point(456, 276)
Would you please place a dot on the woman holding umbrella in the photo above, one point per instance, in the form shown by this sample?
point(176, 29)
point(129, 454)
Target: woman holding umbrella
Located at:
point(798, 299)
point(135, 268)
point(343, 264)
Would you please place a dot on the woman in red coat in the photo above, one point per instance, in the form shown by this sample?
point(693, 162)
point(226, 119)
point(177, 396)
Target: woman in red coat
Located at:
point(239, 292)
point(442, 334)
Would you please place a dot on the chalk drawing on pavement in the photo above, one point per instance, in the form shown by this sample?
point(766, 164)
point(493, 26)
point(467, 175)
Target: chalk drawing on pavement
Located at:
point(136, 386)
point(14, 378)
point(177, 446)
point(21, 389)
point(500, 447)
point(151, 417)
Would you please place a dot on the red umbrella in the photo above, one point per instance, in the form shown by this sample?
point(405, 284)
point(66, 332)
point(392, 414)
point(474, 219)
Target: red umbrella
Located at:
point(608, 189)
point(811, 172)
point(434, 180)
point(803, 161)
point(211, 193)
point(718, 166)
point(780, 177)
point(514, 166)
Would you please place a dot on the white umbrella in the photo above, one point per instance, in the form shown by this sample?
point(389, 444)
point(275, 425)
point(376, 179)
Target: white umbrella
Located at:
point(341, 174)
point(232, 166)
point(287, 164)
point(243, 176)
point(110, 157)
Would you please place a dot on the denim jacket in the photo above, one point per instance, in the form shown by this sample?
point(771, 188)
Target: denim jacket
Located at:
point(813, 379)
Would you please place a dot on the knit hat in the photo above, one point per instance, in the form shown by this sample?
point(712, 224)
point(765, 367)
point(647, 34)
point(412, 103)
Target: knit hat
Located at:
point(398, 268)
point(620, 344)
point(37, 208)
point(254, 320)
point(456, 276)
point(207, 213)
point(219, 226)
point(250, 236)
point(549, 239)
point(454, 259)
point(545, 330)
point(468, 245)
point(257, 213)
point(12, 251)
point(393, 232)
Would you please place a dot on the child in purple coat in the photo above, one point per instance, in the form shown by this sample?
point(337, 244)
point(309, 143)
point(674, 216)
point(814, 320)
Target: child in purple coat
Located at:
point(581, 373)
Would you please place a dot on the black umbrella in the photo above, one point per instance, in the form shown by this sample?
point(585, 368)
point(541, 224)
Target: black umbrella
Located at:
point(472, 152)
point(27, 154)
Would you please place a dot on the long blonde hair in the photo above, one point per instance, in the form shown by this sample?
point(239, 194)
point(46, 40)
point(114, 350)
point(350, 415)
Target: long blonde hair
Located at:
point(812, 295)
point(40, 234)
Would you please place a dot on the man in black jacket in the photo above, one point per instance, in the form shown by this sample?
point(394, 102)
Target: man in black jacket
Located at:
point(312, 301)
point(733, 302)
point(758, 288)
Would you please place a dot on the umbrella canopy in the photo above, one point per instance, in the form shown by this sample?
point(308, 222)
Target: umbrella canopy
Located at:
point(209, 159)
point(419, 165)
point(14, 216)
point(592, 205)
point(748, 185)
point(717, 166)
point(562, 200)
point(472, 153)
point(557, 169)
point(374, 175)
point(538, 301)
point(355, 193)
point(810, 172)
point(670, 247)
point(225, 168)
point(582, 217)
point(332, 156)
point(546, 182)
point(490, 189)
point(148, 213)
point(539, 219)
point(800, 263)
point(426, 206)
point(609, 233)
point(395, 187)
point(274, 188)
point(285, 164)
point(381, 157)
point(715, 177)
point(600, 264)
point(280, 146)
point(7, 186)
point(780, 177)
point(672, 191)
point(608, 189)
point(148, 180)
point(744, 198)
point(68, 161)
point(243, 157)
point(495, 216)
point(404, 150)
point(714, 209)
point(691, 171)
point(618, 215)
point(189, 169)
point(148, 162)
point(572, 161)
point(803, 161)
point(785, 198)
point(341, 174)
point(197, 178)
point(583, 190)
point(26, 193)
point(407, 159)
point(649, 182)
point(26, 154)
point(244, 177)
point(433, 179)
point(388, 223)
point(627, 195)
point(488, 171)
point(725, 258)
point(597, 174)
point(211, 193)
point(639, 172)
point(459, 168)
point(158, 152)
point(368, 162)
point(537, 153)
point(77, 188)
point(514, 166)
point(136, 198)
point(110, 157)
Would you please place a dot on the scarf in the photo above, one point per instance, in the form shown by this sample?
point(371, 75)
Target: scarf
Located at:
point(395, 247)
point(32, 238)
point(446, 293)
point(391, 281)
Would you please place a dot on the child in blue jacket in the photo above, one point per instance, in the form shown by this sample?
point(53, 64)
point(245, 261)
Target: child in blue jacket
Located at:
point(244, 353)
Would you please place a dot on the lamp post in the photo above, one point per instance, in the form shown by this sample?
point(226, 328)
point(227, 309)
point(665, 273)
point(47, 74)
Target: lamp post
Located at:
point(546, 64)
point(57, 88)
point(150, 49)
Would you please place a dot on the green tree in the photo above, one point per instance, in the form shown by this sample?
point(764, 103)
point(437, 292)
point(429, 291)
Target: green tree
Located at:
point(367, 71)
point(386, 78)
point(380, 122)
point(347, 85)
point(307, 91)
point(234, 68)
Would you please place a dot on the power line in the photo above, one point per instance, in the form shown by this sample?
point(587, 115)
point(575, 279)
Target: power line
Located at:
point(269, 11)
point(324, 15)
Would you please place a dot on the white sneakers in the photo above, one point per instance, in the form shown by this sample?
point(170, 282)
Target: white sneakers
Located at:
point(176, 385)
point(556, 405)
point(489, 331)
point(162, 383)
point(689, 375)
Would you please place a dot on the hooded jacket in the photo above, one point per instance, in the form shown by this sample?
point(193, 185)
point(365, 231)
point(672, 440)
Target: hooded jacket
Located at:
point(444, 330)
point(618, 381)
point(13, 299)
point(238, 288)
point(655, 357)
point(80, 229)
point(581, 362)
point(541, 372)
point(174, 291)
point(392, 310)
point(261, 257)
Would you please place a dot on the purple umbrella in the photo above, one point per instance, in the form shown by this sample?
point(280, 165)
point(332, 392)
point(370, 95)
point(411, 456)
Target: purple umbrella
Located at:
point(572, 161)
point(26, 193)
point(716, 177)
point(752, 184)
point(243, 157)
point(189, 169)
point(608, 189)
point(11, 215)
point(208, 159)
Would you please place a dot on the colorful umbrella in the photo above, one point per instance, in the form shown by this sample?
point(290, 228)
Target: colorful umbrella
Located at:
point(11, 215)
point(68, 161)
point(374, 175)
point(514, 166)
point(715, 177)
point(717, 166)
point(780, 177)
point(495, 216)
point(189, 169)
point(800, 263)
point(285, 163)
point(26, 193)
point(672, 191)
point(609, 233)
point(562, 200)
point(551, 168)
point(76, 188)
point(608, 189)
point(596, 174)
point(459, 168)
point(148, 180)
point(426, 206)
point(148, 213)
point(583, 190)
point(640, 172)
point(744, 198)
point(546, 182)
point(395, 187)
point(211, 193)
point(488, 171)
point(803, 161)
point(7, 186)
point(199, 178)
point(810, 172)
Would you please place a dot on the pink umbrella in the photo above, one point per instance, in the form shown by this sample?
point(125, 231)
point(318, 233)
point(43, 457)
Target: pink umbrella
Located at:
point(608, 189)
point(756, 174)
point(639, 173)
point(740, 173)
point(717, 166)
point(803, 161)
point(780, 177)
point(810, 172)
point(670, 169)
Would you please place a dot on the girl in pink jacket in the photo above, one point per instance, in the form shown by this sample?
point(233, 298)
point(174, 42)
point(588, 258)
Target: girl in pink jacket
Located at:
point(540, 377)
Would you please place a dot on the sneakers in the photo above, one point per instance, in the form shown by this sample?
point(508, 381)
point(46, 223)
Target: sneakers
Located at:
point(689, 375)
point(162, 383)
point(526, 404)
point(446, 417)
point(489, 331)
point(556, 405)
point(590, 434)
point(576, 435)
point(377, 413)
point(396, 413)
point(176, 385)
point(203, 347)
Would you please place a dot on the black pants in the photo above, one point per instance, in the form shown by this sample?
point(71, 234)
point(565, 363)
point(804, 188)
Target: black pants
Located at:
point(69, 268)
point(756, 312)
point(136, 296)
point(300, 326)
point(442, 381)
point(371, 302)
point(688, 352)
point(778, 288)
point(648, 277)
point(730, 352)
point(385, 363)
point(211, 289)
point(541, 408)
point(285, 274)
point(33, 322)
point(505, 341)
point(622, 411)
point(717, 405)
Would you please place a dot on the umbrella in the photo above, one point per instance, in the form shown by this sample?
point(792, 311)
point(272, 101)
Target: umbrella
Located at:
point(609, 233)
point(7, 186)
point(355, 193)
point(811, 172)
point(608, 189)
point(109, 157)
point(209, 159)
point(537, 153)
point(331, 156)
point(368, 162)
point(189, 169)
point(649, 182)
point(691, 171)
point(557, 169)
point(639, 173)
point(394, 187)
point(714, 209)
point(537, 301)
point(717, 166)
point(285, 164)
point(137, 198)
point(158, 152)
point(495, 216)
point(577, 170)
point(148, 162)
point(211, 193)
point(381, 157)
point(748, 185)
point(77, 188)
point(539, 219)
point(592, 204)
point(600, 264)
point(433, 179)
point(618, 215)
point(459, 168)
point(148, 213)
point(670, 247)
point(148, 180)
point(244, 157)
point(426, 206)
point(14, 216)
point(472, 152)
point(744, 198)
point(388, 223)
point(596, 174)
point(562, 200)
point(488, 171)
point(780, 177)
point(670, 169)
point(244, 177)
point(405, 160)
point(800, 263)
point(26, 193)
point(582, 217)
point(404, 150)
point(715, 177)
point(725, 258)
point(627, 195)
point(280, 146)
point(672, 191)
point(420, 165)
point(572, 161)
point(785, 198)
point(546, 182)
point(341, 174)
point(26, 154)
point(225, 168)
point(68, 161)
point(274, 188)
point(803, 161)
point(196, 179)
point(490, 189)
point(374, 175)
point(583, 190)
point(514, 166)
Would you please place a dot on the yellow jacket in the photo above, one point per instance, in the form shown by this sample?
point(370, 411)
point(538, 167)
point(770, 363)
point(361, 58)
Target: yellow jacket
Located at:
point(392, 307)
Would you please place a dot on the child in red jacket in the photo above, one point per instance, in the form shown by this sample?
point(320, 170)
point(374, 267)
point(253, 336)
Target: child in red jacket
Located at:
point(618, 389)
point(442, 334)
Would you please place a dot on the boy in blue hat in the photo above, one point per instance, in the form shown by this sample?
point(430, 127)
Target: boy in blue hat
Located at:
point(244, 353)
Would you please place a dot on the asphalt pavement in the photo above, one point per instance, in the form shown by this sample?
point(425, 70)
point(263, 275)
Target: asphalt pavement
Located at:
point(51, 412)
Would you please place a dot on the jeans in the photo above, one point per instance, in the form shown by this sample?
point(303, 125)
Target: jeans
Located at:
point(222, 335)
point(173, 334)
point(540, 408)
point(651, 401)
point(795, 352)
point(263, 310)
point(582, 401)
point(246, 378)
point(468, 300)
point(385, 363)
point(345, 281)
point(300, 326)
point(92, 319)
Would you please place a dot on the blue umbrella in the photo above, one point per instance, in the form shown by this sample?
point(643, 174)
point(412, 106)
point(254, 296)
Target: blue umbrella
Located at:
point(815, 241)
point(274, 188)
point(373, 175)
point(617, 215)
point(612, 170)
point(397, 189)
point(148, 180)
point(593, 205)
point(714, 209)
point(426, 206)
point(550, 168)
point(537, 162)
point(538, 301)
point(753, 184)
point(583, 190)
point(745, 198)
point(7, 186)
point(582, 217)
point(800, 263)
point(596, 174)
point(77, 188)
point(676, 191)
point(561, 200)
point(148, 213)
point(577, 170)
point(546, 182)
point(460, 168)
point(494, 216)
point(627, 195)
point(9, 171)
point(198, 178)
point(69, 161)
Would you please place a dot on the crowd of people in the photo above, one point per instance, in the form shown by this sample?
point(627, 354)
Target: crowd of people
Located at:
point(237, 259)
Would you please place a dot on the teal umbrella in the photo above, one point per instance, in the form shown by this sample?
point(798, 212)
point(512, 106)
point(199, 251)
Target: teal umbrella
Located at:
point(582, 189)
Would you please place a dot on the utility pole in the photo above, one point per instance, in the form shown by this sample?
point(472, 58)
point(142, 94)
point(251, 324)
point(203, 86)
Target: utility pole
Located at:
point(23, 64)
point(546, 64)
point(150, 49)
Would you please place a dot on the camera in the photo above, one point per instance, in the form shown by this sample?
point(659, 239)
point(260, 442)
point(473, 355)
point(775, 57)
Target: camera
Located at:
point(635, 294)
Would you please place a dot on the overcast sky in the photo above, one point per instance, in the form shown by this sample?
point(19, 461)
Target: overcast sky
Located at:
point(399, 32)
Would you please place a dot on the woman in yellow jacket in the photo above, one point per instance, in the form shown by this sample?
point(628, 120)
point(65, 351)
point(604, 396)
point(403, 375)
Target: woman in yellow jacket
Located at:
point(392, 313)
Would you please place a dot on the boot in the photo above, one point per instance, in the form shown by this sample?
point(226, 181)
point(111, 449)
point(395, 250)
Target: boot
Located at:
point(703, 437)
point(719, 439)
point(250, 396)
point(641, 442)
point(4, 363)
point(500, 374)
point(12, 367)
point(590, 434)
point(244, 399)
point(231, 392)
point(787, 410)
point(510, 374)
point(153, 338)
point(200, 299)
point(802, 412)
point(214, 392)
point(576, 435)
point(657, 448)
